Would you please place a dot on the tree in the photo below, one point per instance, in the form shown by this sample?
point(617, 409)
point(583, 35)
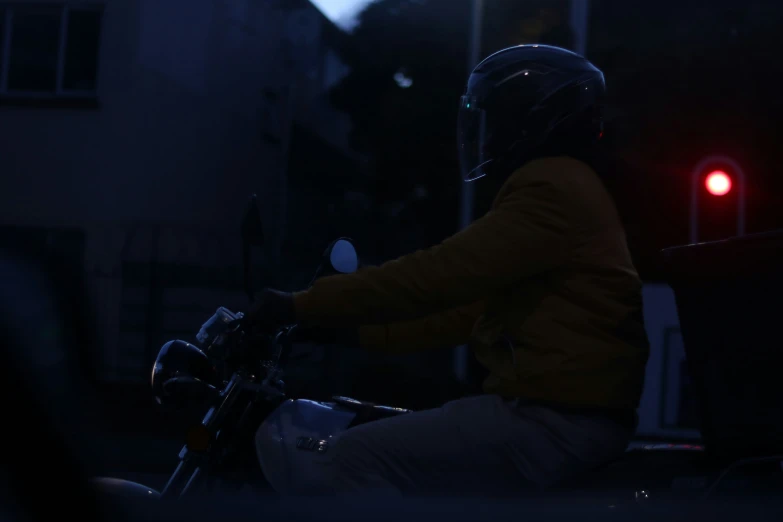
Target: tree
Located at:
point(410, 130)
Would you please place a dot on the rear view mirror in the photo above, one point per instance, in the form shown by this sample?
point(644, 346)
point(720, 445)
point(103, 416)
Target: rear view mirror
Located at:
point(252, 227)
point(252, 236)
point(342, 257)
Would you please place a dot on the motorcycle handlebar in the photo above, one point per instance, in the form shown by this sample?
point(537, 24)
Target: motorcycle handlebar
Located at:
point(283, 339)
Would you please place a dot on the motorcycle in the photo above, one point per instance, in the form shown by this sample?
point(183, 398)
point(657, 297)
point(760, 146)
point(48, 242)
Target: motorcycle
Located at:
point(239, 376)
point(253, 434)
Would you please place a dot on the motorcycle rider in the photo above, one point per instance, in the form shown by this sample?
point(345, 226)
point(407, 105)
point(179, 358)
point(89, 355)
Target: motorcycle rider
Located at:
point(542, 288)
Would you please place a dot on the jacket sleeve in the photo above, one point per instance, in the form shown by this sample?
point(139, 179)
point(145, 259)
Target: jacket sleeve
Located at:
point(527, 232)
point(441, 330)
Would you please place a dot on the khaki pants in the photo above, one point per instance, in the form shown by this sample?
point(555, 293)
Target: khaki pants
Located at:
point(477, 445)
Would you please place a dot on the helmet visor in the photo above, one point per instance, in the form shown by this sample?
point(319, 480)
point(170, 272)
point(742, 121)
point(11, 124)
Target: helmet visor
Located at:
point(471, 128)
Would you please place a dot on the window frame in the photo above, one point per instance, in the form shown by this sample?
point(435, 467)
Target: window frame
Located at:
point(5, 51)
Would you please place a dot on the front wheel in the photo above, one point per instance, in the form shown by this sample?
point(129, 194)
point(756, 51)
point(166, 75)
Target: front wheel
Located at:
point(123, 489)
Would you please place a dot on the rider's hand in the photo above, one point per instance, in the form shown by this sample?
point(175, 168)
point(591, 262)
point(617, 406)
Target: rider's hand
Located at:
point(323, 335)
point(272, 310)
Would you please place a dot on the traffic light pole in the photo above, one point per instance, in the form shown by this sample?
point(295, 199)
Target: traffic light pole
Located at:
point(696, 178)
point(474, 55)
point(467, 195)
point(579, 11)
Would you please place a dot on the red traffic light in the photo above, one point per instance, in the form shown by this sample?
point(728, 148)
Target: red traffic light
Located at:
point(718, 183)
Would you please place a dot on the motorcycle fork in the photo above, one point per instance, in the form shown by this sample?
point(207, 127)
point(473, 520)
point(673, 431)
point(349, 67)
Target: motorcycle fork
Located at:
point(200, 447)
point(232, 449)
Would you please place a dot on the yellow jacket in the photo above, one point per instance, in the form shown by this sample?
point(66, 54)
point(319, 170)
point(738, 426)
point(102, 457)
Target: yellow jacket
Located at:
point(542, 288)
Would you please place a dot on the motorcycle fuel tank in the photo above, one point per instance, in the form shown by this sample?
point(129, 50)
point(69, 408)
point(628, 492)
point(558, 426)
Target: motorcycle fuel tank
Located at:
point(295, 442)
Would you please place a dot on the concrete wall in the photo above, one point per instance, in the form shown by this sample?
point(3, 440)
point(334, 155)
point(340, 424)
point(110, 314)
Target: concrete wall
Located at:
point(176, 138)
point(186, 130)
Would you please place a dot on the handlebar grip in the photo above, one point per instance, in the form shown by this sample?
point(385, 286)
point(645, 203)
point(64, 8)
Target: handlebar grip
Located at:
point(322, 335)
point(316, 334)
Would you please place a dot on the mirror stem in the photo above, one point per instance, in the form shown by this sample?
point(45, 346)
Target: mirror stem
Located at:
point(246, 254)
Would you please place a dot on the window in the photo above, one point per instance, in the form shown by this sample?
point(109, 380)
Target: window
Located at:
point(33, 54)
point(81, 51)
point(2, 43)
point(334, 69)
point(49, 50)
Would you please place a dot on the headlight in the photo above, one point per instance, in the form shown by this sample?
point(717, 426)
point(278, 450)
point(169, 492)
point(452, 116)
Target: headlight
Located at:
point(180, 362)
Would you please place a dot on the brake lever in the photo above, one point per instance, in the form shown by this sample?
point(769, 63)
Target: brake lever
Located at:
point(239, 322)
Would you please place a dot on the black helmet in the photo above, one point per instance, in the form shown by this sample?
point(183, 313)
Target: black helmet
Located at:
point(526, 101)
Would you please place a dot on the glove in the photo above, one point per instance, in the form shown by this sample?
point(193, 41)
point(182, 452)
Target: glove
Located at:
point(323, 335)
point(273, 310)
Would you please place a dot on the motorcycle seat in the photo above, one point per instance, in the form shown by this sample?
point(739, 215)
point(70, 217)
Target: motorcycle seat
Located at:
point(642, 466)
point(367, 411)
